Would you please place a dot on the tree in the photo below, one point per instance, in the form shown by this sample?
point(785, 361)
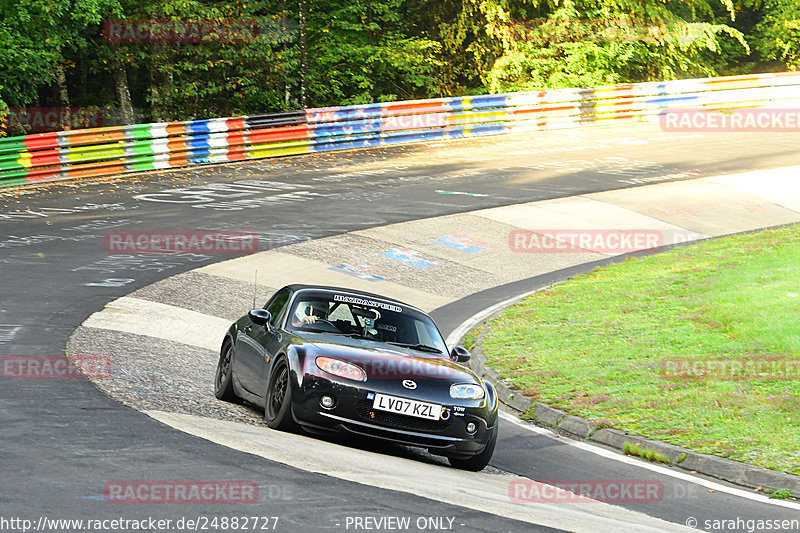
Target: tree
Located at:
point(360, 51)
point(36, 39)
point(611, 41)
point(473, 34)
point(777, 35)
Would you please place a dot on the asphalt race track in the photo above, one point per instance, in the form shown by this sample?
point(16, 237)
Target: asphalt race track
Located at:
point(64, 441)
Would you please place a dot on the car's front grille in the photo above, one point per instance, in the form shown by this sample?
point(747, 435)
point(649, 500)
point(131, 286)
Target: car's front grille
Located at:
point(394, 420)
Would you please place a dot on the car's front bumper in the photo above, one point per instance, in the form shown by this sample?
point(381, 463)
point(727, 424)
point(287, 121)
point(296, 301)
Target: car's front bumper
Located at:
point(353, 414)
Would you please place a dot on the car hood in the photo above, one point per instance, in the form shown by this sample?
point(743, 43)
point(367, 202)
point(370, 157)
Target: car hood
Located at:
point(386, 361)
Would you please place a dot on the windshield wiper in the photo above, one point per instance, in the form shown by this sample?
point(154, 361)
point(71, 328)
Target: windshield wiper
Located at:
point(420, 347)
point(357, 336)
point(345, 334)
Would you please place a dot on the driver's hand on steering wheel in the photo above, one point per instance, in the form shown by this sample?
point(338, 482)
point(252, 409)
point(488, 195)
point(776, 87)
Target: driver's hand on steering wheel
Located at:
point(308, 319)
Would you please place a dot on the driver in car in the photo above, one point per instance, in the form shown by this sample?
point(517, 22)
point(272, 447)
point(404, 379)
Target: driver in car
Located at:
point(308, 313)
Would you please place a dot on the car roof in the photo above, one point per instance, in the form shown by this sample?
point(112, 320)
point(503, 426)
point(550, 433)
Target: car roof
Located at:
point(294, 287)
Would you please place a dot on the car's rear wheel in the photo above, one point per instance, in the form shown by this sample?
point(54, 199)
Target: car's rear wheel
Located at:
point(223, 386)
point(278, 403)
point(478, 462)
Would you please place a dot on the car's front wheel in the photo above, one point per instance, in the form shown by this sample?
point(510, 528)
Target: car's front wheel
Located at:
point(278, 403)
point(478, 462)
point(223, 386)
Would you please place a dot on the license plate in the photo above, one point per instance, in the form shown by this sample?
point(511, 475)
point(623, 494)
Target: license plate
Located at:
point(404, 406)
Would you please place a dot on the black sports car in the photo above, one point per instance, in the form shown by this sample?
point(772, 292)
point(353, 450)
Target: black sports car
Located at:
point(331, 359)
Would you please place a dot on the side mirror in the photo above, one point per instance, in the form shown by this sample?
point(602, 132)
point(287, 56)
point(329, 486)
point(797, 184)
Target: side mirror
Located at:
point(260, 316)
point(459, 354)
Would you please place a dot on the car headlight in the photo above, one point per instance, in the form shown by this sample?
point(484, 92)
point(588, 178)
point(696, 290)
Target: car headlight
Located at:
point(466, 391)
point(340, 368)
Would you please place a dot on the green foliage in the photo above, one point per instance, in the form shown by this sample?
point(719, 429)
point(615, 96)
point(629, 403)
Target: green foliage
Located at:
point(777, 35)
point(220, 76)
point(3, 115)
point(530, 67)
point(470, 338)
point(55, 53)
point(359, 53)
point(586, 44)
point(36, 35)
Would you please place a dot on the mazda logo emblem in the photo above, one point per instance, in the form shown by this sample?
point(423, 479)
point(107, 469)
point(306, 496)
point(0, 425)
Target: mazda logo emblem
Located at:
point(407, 383)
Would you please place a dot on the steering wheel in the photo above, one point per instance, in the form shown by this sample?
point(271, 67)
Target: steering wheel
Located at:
point(327, 324)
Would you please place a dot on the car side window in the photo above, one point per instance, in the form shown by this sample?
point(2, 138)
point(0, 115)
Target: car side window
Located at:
point(277, 306)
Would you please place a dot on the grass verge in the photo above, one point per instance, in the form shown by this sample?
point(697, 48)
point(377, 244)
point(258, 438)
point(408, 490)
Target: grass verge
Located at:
point(698, 347)
point(631, 448)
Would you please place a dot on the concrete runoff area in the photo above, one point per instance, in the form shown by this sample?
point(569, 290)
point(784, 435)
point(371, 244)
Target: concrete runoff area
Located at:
point(278, 268)
point(780, 186)
point(474, 490)
point(704, 205)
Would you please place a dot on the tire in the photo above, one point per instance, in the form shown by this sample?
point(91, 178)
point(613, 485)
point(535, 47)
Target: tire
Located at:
point(223, 379)
point(278, 400)
point(478, 462)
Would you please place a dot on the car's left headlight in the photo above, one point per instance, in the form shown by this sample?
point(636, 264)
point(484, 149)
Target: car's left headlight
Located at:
point(466, 391)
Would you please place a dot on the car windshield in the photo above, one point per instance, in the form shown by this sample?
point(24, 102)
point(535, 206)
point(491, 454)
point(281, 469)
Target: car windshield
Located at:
point(352, 315)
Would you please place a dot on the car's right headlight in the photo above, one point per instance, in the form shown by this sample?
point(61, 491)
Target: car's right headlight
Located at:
point(340, 368)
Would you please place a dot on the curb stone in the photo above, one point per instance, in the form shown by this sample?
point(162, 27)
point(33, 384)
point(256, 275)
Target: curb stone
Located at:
point(577, 426)
point(546, 414)
point(735, 472)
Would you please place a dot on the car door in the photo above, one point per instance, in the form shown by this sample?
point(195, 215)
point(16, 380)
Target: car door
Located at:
point(251, 358)
point(271, 340)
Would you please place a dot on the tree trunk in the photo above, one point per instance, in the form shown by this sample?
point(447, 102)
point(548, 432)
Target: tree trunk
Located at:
point(63, 96)
point(123, 93)
point(160, 84)
point(83, 76)
point(303, 55)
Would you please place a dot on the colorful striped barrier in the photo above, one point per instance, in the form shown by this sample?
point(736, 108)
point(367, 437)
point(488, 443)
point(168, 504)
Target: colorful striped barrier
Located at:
point(105, 151)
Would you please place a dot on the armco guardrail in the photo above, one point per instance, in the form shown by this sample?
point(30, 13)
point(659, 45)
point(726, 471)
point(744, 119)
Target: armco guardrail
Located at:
point(104, 151)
